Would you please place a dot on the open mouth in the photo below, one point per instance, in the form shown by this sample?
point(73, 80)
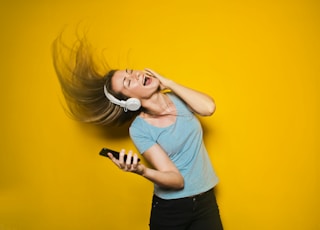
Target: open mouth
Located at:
point(147, 80)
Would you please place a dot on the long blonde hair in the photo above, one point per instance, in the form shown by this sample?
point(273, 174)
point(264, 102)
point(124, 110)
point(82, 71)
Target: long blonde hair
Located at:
point(82, 85)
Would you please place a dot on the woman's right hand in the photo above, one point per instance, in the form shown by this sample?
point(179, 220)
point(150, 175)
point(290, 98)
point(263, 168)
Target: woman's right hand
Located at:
point(164, 82)
point(129, 165)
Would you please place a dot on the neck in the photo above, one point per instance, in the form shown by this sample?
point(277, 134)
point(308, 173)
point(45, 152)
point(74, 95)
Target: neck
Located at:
point(160, 105)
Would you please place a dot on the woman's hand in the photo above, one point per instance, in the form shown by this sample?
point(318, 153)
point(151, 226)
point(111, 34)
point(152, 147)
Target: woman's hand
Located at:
point(129, 165)
point(164, 82)
point(165, 173)
point(198, 102)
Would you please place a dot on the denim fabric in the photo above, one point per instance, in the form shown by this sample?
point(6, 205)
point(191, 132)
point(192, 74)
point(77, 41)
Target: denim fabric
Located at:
point(199, 212)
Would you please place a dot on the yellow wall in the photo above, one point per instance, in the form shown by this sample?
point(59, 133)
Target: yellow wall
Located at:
point(258, 59)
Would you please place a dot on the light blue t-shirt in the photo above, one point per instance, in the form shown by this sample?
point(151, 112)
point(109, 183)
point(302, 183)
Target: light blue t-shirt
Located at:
point(183, 143)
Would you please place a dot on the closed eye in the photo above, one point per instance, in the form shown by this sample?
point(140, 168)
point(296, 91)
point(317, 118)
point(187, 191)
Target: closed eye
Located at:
point(126, 82)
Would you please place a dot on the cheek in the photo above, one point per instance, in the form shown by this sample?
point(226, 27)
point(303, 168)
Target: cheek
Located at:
point(133, 91)
point(155, 83)
point(138, 91)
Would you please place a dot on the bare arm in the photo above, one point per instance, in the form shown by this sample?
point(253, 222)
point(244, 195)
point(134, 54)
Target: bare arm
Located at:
point(165, 174)
point(199, 102)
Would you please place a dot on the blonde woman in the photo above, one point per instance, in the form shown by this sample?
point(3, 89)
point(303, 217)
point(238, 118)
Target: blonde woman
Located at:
point(163, 127)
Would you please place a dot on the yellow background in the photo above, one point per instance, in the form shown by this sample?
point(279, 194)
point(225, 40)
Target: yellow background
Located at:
point(258, 59)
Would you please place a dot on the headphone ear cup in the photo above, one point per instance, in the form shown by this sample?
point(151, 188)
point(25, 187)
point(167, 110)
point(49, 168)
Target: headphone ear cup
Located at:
point(133, 104)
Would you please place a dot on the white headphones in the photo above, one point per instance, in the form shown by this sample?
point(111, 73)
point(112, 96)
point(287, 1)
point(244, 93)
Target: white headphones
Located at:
point(132, 104)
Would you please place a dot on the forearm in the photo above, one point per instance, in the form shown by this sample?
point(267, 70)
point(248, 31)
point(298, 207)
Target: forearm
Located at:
point(168, 176)
point(199, 102)
point(170, 180)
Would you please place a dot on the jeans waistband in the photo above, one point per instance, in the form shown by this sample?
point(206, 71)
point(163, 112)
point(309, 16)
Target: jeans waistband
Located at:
point(200, 194)
point(188, 197)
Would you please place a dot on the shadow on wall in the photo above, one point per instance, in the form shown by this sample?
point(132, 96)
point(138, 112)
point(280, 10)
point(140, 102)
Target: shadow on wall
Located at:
point(115, 137)
point(105, 132)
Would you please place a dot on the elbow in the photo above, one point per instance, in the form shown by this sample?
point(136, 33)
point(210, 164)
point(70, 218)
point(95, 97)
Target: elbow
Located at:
point(211, 108)
point(176, 183)
point(181, 186)
point(179, 183)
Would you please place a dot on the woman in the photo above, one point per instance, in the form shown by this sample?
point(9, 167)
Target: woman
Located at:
point(163, 127)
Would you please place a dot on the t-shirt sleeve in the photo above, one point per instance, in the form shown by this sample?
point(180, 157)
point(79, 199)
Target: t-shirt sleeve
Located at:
point(141, 138)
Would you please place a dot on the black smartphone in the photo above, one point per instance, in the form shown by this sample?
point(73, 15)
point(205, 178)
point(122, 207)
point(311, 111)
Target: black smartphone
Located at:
point(104, 152)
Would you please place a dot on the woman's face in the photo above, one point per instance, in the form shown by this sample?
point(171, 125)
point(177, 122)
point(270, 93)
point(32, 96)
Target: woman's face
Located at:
point(134, 83)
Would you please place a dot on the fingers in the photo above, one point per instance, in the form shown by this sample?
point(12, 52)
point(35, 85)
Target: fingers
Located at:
point(150, 72)
point(125, 162)
point(134, 165)
point(164, 82)
point(131, 162)
point(128, 161)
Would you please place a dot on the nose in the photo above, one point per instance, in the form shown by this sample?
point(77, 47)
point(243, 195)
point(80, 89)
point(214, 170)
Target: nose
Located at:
point(134, 75)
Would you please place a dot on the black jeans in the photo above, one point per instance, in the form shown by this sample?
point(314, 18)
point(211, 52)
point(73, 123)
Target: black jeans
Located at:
point(199, 212)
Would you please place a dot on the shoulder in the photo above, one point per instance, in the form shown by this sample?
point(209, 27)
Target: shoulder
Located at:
point(139, 127)
point(137, 124)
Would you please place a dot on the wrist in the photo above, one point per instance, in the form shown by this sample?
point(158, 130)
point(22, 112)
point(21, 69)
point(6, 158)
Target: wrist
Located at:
point(169, 84)
point(142, 170)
